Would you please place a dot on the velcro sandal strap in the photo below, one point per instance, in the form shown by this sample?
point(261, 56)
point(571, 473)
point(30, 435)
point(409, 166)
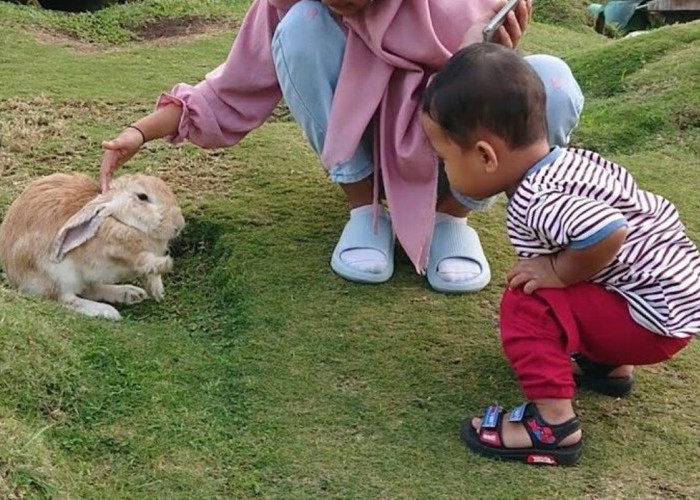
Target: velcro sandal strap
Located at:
point(492, 417)
point(517, 413)
point(491, 426)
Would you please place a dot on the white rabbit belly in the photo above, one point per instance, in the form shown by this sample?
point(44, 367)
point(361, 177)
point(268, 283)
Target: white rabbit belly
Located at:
point(107, 273)
point(74, 278)
point(67, 276)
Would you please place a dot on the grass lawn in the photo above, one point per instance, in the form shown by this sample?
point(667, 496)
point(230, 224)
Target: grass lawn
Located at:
point(265, 375)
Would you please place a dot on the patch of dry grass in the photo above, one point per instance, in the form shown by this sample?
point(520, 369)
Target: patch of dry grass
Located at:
point(40, 136)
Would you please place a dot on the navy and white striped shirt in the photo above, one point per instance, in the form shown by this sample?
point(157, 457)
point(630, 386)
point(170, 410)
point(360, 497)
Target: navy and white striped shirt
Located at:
point(574, 198)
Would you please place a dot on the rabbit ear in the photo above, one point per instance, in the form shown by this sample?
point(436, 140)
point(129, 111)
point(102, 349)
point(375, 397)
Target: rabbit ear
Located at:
point(82, 226)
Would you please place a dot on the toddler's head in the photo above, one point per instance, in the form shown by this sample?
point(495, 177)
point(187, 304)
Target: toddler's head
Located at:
point(480, 111)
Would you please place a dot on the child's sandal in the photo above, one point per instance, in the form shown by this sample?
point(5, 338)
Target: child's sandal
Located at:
point(595, 377)
point(545, 449)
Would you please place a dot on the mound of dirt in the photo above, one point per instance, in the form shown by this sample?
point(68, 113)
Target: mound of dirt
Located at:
point(156, 31)
point(171, 27)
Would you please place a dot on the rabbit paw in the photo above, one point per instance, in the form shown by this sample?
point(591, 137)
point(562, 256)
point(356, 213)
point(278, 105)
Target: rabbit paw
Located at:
point(131, 294)
point(100, 310)
point(116, 294)
point(152, 264)
point(91, 308)
point(155, 287)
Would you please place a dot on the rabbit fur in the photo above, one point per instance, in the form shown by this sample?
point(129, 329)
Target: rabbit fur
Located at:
point(63, 240)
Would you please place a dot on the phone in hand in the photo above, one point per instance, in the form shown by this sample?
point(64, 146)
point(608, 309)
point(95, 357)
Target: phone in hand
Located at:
point(497, 21)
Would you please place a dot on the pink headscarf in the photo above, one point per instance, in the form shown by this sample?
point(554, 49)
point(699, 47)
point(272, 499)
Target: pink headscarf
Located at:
point(393, 47)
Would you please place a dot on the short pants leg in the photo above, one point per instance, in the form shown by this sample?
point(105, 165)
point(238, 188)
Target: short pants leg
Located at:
point(308, 48)
point(539, 332)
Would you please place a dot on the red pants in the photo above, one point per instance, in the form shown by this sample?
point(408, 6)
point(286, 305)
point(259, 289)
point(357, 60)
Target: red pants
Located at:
point(539, 332)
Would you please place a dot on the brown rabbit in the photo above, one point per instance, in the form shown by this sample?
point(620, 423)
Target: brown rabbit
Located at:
point(63, 240)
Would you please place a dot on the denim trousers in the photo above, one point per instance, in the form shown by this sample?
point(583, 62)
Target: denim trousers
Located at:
point(308, 57)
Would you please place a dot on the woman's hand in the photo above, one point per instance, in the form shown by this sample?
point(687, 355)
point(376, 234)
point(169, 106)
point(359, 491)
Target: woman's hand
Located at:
point(117, 152)
point(161, 123)
point(531, 274)
point(510, 33)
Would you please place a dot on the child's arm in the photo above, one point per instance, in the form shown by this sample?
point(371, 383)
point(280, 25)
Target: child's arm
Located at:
point(573, 266)
point(590, 233)
point(568, 267)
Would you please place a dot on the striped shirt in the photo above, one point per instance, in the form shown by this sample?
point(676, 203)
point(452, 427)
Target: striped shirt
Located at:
point(573, 199)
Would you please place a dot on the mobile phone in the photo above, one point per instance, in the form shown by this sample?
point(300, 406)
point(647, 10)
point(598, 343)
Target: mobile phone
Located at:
point(497, 21)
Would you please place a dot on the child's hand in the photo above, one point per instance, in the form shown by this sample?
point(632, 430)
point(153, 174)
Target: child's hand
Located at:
point(117, 152)
point(534, 273)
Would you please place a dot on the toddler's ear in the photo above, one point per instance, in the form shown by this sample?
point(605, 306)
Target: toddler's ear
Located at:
point(487, 155)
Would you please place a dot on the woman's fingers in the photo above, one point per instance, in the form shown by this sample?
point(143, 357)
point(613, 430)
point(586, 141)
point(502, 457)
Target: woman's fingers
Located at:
point(504, 38)
point(524, 13)
point(109, 163)
point(513, 27)
point(515, 24)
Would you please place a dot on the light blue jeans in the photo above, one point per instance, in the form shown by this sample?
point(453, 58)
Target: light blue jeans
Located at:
point(308, 48)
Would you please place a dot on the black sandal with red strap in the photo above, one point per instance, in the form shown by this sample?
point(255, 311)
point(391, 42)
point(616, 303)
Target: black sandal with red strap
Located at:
point(596, 377)
point(546, 438)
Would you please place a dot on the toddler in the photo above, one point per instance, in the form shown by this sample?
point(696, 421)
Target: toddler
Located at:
point(606, 277)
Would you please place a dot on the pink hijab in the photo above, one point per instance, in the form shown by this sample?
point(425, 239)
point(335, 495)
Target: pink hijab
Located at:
point(393, 47)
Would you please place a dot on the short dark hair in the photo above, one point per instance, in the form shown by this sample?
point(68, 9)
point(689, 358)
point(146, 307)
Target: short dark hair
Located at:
point(488, 87)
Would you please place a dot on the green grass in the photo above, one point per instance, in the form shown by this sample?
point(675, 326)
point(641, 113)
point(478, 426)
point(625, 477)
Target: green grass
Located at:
point(568, 13)
point(117, 24)
point(265, 375)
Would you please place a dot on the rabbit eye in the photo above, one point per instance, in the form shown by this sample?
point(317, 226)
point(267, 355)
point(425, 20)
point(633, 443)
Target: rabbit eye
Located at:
point(143, 197)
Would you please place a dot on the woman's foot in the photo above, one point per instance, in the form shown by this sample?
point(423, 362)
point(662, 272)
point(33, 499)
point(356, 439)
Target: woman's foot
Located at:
point(456, 269)
point(456, 263)
point(459, 272)
point(361, 254)
point(365, 259)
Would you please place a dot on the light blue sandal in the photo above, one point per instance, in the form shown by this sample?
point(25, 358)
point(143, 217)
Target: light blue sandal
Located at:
point(455, 238)
point(358, 233)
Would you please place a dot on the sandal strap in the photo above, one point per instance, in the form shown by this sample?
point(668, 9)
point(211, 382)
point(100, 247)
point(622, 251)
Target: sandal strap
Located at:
point(592, 368)
point(492, 417)
point(491, 426)
point(543, 435)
